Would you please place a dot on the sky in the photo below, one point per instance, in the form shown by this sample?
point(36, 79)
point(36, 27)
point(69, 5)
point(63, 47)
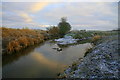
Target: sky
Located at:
point(80, 15)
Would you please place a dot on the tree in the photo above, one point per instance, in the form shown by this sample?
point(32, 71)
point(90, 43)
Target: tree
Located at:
point(64, 26)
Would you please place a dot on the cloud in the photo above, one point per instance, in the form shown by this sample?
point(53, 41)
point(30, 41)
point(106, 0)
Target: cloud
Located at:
point(38, 6)
point(26, 17)
point(85, 14)
point(21, 11)
point(97, 14)
point(16, 14)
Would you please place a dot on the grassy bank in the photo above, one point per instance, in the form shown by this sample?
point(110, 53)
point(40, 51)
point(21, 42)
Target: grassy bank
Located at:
point(99, 62)
point(84, 34)
point(91, 36)
point(14, 40)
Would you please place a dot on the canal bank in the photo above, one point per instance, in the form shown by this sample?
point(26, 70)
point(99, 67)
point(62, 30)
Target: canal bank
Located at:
point(101, 62)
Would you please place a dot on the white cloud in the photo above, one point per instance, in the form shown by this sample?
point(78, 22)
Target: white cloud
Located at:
point(38, 6)
point(26, 17)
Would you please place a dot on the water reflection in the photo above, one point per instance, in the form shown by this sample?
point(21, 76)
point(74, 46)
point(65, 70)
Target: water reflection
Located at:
point(46, 62)
point(41, 61)
point(7, 59)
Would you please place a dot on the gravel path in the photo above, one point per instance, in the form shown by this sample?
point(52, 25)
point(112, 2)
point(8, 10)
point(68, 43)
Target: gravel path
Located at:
point(102, 62)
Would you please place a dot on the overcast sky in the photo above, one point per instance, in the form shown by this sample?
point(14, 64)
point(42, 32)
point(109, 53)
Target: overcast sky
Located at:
point(81, 15)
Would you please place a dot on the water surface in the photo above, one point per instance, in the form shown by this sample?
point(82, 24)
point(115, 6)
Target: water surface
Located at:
point(41, 61)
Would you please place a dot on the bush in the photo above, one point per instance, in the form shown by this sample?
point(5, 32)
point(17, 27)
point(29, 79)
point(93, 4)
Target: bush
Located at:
point(54, 31)
point(77, 36)
point(96, 38)
point(23, 41)
point(13, 46)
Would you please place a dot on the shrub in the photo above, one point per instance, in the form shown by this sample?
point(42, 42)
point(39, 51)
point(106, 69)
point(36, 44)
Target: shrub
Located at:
point(23, 41)
point(96, 38)
point(13, 46)
point(53, 30)
point(77, 36)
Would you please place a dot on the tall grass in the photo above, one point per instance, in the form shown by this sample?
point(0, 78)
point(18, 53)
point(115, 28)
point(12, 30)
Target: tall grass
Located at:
point(15, 40)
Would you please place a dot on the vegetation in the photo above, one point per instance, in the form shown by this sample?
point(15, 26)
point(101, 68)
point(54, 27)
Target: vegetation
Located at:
point(14, 40)
point(81, 34)
point(64, 26)
point(96, 38)
point(53, 31)
point(86, 34)
point(103, 53)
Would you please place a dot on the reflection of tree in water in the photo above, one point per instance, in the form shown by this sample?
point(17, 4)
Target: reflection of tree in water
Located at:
point(7, 59)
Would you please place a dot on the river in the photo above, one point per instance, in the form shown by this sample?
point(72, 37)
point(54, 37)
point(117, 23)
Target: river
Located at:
point(41, 61)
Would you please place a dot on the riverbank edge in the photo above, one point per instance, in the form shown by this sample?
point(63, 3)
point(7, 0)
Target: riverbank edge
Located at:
point(17, 40)
point(22, 49)
point(75, 65)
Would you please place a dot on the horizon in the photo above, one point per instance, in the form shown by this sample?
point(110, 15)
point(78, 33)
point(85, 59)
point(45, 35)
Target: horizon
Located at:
point(56, 26)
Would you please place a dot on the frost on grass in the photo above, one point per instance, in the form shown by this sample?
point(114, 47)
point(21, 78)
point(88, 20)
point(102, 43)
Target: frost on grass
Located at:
point(102, 62)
